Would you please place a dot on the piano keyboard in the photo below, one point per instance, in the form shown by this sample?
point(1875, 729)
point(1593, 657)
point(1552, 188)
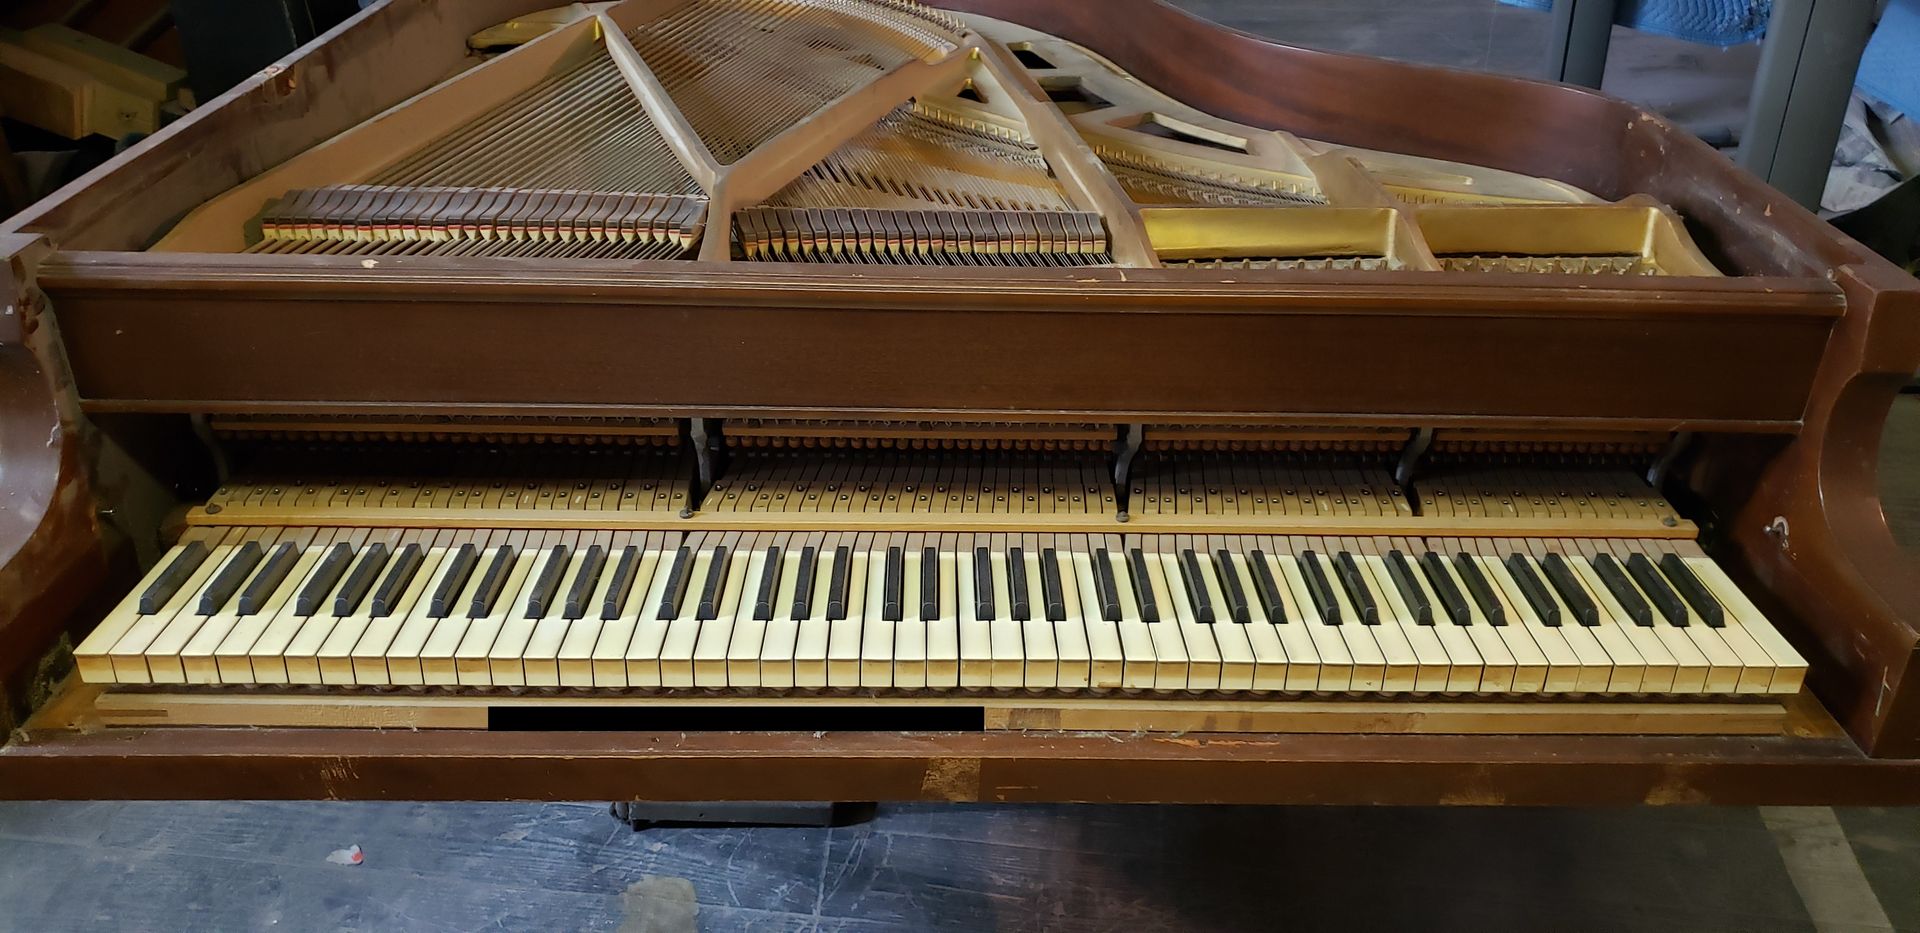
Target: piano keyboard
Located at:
point(930, 612)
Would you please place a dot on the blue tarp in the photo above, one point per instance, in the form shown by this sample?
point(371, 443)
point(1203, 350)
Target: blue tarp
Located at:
point(1710, 22)
point(1890, 69)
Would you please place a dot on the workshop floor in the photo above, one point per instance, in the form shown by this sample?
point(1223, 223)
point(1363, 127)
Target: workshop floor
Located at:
point(239, 866)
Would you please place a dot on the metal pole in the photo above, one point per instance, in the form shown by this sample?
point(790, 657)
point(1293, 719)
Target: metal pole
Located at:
point(1581, 31)
point(1801, 91)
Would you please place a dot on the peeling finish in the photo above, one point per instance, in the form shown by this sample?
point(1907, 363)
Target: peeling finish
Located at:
point(955, 779)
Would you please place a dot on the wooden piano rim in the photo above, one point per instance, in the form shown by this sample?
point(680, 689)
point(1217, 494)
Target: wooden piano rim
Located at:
point(1568, 426)
point(868, 288)
point(1817, 764)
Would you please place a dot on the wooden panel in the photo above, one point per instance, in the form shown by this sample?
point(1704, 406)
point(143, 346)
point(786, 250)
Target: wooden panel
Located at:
point(1175, 714)
point(163, 763)
point(146, 334)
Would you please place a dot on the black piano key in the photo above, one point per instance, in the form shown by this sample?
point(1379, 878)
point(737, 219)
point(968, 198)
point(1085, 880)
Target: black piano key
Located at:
point(715, 589)
point(492, 581)
point(1481, 590)
point(583, 582)
point(1017, 585)
point(982, 583)
point(1197, 595)
point(769, 585)
point(1571, 592)
point(1533, 590)
point(171, 579)
point(676, 587)
point(1230, 588)
point(1622, 589)
point(547, 583)
point(459, 568)
point(1451, 600)
point(893, 585)
point(231, 575)
point(399, 574)
point(1358, 593)
point(624, 570)
point(929, 583)
point(1142, 586)
point(1402, 574)
point(308, 600)
point(1051, 587)
point(803, 584)
point(837, 585)
point(1319, 588)
point(361, 579)
point(1268, 589)
point(1693, 590)
point(1108, 586)
point(1655, 586)
point(261, 587)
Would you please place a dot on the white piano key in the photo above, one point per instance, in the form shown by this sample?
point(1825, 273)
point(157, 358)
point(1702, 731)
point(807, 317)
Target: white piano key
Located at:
point(200, 657)
point(1369, 671)
point(1010, 638)
point(943, 633)
point(1303, 655)
point(750, 632)
point(1656, 663)
point(163, 655)
point(1070, 647)
point(649, 629)
point(1564, 667)
point(91, 657)
point(874, 647)
point(401, 662)
point(777, 644)
point(732, 601)
point(1229, 637)
point(473, 659)
point(908, 653)
point(813, 636)
point(541, 660)
point(1203, 653)
point(611, 667)
point(1467, 668)
point(1136, 642)
point(976, 633)
point(1789, 668)
point(1599, 648)
point(231, 658)
point(1430, 662)
point(866, 581)
point(1270, 662)
point(683, 629)
point(575, 658)
point(1335, 672)
point(120, 660)
point(1171, 663)
point(1106, 659)
point(358, 640)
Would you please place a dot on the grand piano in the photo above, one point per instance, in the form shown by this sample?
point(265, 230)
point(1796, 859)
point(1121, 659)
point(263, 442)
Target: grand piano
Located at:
point(1005, 401)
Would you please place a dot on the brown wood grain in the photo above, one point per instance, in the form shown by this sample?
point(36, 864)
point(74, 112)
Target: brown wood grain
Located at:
point(1817, 346)
point(673, 340)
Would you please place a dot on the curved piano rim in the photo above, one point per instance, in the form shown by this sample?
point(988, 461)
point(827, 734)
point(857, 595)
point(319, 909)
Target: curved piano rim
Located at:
point(1877, 336)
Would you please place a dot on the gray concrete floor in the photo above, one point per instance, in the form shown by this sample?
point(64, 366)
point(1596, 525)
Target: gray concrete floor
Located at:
point(253, 866)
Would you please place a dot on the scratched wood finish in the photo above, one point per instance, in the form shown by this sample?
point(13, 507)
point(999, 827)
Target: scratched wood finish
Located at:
point(1849, 595)
point(147, 333)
